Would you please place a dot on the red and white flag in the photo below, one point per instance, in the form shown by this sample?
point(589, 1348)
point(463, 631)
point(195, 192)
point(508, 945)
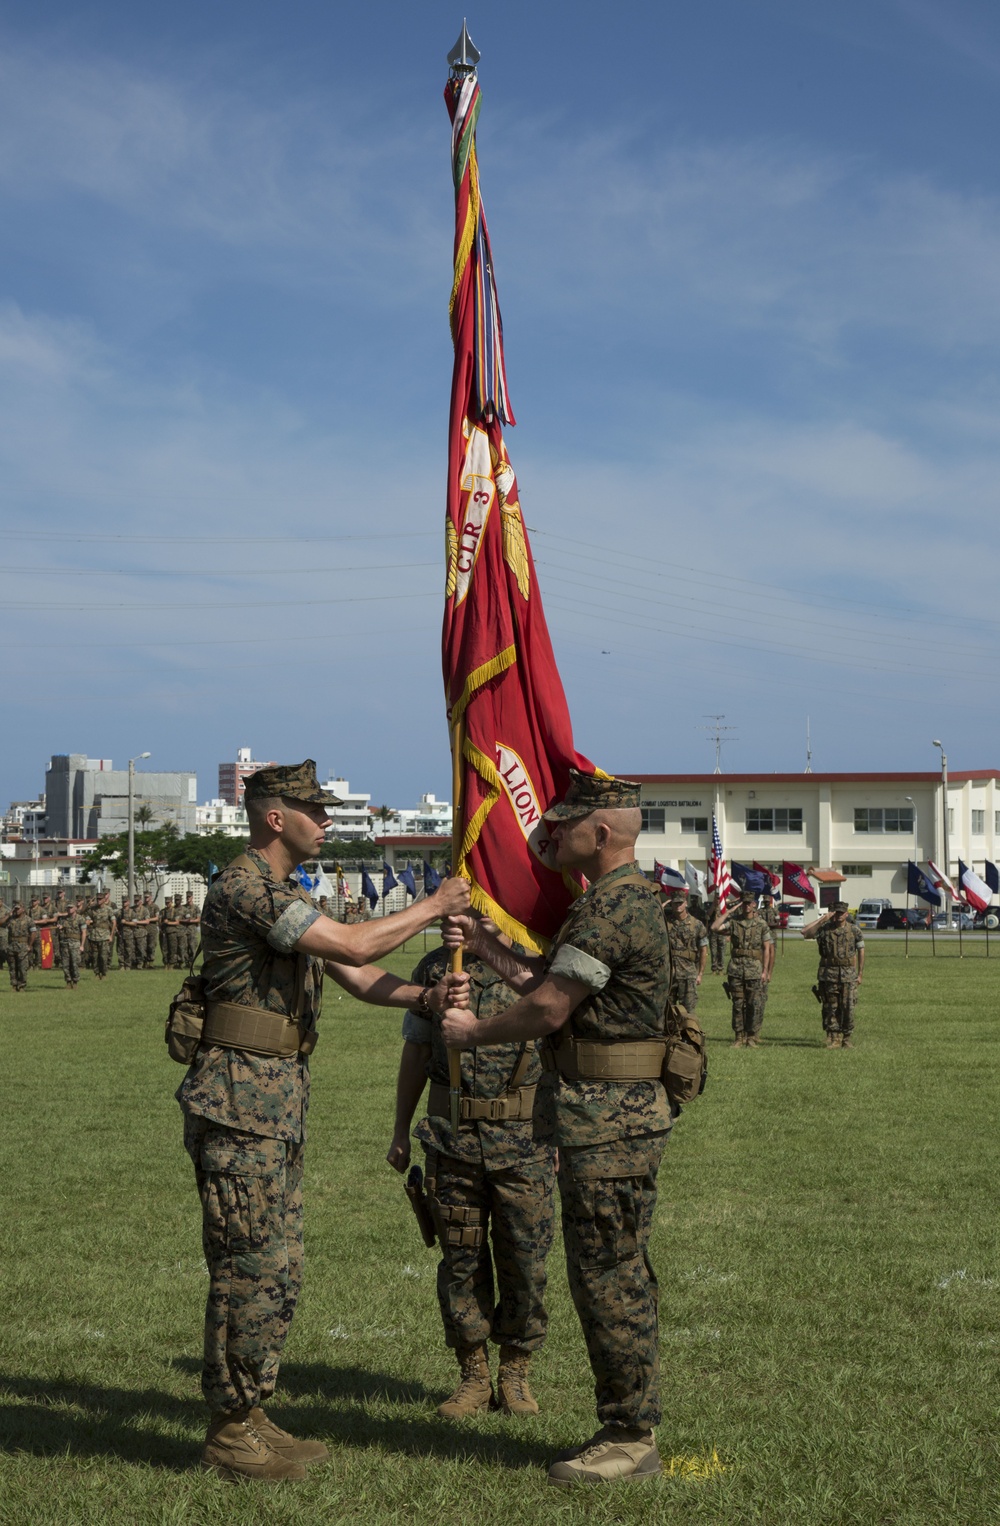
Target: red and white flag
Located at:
point(667, 878)
point(506, 707)
point(975, 891)
point(941, 881)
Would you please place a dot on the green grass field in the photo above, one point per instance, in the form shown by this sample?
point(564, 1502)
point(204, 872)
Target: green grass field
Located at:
point(826, 1245)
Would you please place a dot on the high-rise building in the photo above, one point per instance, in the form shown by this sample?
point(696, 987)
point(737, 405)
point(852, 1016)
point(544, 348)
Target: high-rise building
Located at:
point(88, 797)
point(232, 776)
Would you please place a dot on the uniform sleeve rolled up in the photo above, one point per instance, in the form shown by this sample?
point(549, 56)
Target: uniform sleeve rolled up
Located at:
point(573, 964)
point(290, 926)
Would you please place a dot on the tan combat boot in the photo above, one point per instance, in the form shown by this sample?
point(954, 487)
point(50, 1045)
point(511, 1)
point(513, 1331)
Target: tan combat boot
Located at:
point(616, 1452)
point(235, 1449)
point(475, 1391)
point(846, 1041)
point(285, 1445)
point(513, 1393)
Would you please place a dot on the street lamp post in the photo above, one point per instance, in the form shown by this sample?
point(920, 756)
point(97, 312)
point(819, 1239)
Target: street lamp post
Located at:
point(944, 812)
point(131, 823)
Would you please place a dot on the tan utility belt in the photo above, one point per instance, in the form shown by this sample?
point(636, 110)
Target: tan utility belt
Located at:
point(255, 1030)
point(641, 1060)
point(502, 1109)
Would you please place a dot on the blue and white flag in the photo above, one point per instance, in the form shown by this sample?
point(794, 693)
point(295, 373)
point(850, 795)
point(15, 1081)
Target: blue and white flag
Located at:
point(917, 883)
point(667, 878)
point(300, 877)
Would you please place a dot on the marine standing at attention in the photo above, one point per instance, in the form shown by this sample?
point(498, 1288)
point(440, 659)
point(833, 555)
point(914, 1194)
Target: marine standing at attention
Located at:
point(245, 1098)
point(599, 1000)
point(688, 952)
point(841, 970)
point(492, 1181)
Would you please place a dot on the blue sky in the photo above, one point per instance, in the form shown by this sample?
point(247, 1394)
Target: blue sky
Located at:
point(748, 256)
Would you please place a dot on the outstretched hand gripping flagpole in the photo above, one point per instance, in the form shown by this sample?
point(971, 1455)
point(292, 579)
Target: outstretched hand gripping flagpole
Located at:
point(511, 737)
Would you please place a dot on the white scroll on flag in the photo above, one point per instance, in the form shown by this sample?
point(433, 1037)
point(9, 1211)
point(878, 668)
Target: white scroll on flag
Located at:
point(697, 880)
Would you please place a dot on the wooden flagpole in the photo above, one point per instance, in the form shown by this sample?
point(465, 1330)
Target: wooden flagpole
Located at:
point(455, 1055)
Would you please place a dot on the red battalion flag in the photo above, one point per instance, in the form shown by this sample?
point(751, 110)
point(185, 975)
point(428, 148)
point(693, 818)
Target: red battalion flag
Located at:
point(45, 947)
point(507, 711)
point(795, 881)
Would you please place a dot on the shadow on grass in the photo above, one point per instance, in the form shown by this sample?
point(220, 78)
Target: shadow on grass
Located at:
point(52, 1417)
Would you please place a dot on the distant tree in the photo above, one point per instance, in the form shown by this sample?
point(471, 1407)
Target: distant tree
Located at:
point(143, 815)
point(384, 814)
point(110, 857)
point(193, 854)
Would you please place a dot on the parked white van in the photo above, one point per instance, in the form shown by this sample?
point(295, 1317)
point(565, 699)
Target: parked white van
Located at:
point(870, 911)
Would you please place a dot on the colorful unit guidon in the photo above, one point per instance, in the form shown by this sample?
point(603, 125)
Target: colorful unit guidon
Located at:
point(506, 705)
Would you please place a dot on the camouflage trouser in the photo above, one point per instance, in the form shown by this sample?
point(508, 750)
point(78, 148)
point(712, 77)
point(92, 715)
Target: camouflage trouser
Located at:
point(126, 949)
point(746, 991)
point(152, 941)
point(684, 990)
point(173, 953)
point(516, 1205)
point(17, 964)
point(102, 955)
point(193, 939)
point(251, 1199)
point(839, 998)
point(69, 956)
point(608, 1194)
point(717, 944)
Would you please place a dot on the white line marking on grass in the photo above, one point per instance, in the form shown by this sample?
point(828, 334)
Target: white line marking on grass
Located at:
point(963, 1276)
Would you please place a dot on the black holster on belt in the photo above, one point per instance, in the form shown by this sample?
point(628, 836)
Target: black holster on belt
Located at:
point(414, 1189)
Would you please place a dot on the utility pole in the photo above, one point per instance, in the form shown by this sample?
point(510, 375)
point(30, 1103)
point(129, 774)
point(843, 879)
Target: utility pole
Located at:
point(131, 823)
point(944, 810)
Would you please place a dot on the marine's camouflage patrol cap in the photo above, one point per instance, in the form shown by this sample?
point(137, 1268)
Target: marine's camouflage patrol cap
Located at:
point(841, 906)
point(292, 781)
point(589, 792)
point(748, 897)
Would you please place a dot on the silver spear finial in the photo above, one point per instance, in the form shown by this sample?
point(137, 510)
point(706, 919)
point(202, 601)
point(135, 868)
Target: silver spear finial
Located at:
point(464, 56)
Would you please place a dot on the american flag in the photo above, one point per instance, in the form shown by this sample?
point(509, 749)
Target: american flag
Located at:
point(719, 879)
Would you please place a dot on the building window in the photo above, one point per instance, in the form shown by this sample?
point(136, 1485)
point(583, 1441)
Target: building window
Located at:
point(890, 818)
point(857, 871)
point(951, 818)
point(765, 818)
point(694, 823)
point(978, 823)
point(653, 819)
point(996, 821)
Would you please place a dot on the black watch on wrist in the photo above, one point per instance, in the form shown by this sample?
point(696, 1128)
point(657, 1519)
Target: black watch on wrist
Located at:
point(424, 1007)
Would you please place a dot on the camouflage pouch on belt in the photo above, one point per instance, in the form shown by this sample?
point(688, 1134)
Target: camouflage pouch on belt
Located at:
point(185, 1020)
point(685, 1063)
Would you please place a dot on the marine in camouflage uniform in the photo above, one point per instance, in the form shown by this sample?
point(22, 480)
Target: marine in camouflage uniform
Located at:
point(491, 1181)
point(71, 932)
point(245, 1125)
point(190, 930)
point(100, 935)
point(151, 930)
point(126, 936)
point(717, 939)
point(609, 972)
point(841, 968)
point(751, 957)
point(21, 935)
point(771, 916)
point(688, 942)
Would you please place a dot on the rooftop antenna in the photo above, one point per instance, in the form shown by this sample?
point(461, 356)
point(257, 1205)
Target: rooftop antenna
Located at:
point(464, 56)
point(717, 729)
point(809, 753)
